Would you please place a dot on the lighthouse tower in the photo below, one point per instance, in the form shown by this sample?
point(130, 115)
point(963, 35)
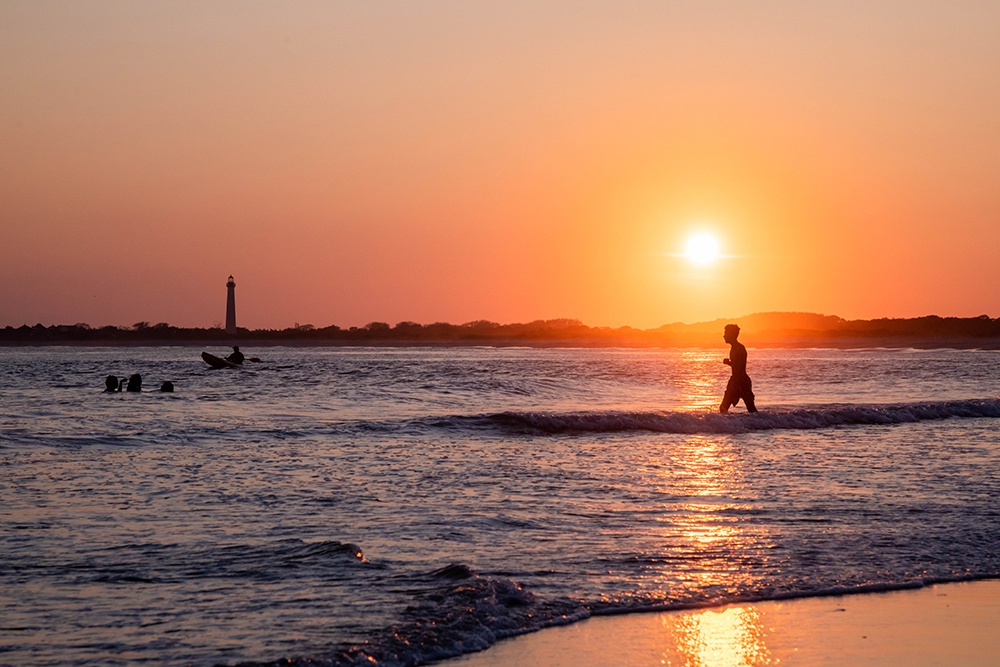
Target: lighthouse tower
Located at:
point(231, 306)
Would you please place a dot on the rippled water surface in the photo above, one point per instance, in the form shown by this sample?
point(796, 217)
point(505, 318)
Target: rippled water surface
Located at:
point(336, 504)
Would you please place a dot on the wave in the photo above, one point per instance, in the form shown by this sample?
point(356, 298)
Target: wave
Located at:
point(710, 422)
point(473, 612)
point(173, 563)
point(529, 423)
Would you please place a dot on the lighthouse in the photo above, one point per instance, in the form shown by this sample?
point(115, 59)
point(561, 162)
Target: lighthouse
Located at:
point(231, 306)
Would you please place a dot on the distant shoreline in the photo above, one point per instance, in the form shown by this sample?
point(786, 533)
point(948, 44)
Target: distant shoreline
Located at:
point(759, 330)
point(839, 343)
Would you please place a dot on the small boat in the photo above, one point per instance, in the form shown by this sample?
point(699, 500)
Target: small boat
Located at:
point(218, 362)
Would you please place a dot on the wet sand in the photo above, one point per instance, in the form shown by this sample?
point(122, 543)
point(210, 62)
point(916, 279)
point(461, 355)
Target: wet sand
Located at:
point(944, 624)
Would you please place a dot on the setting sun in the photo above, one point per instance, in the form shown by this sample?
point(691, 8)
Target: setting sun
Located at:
point(702, 249)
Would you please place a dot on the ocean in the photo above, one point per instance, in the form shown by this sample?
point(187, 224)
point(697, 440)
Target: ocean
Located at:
point(399, 506)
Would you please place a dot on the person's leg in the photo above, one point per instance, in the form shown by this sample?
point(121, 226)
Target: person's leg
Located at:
point(748, 397)
point(729, 399)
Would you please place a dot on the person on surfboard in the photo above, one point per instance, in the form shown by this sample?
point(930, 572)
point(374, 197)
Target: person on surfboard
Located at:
point(236, 357)
point(740, 386)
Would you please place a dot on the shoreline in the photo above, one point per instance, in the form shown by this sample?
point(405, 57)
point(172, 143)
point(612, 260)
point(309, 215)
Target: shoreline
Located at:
point(860, 343)
point(939, 624)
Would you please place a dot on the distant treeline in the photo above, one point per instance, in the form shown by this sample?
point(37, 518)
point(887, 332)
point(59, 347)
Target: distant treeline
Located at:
point(759, 330)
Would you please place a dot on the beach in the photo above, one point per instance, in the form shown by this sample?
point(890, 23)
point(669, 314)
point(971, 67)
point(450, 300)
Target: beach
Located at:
point(944, 624)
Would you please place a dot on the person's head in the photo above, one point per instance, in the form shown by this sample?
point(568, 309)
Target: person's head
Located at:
point(236, 348)
point(167, 386)
point(111, 383)
point(731, 333)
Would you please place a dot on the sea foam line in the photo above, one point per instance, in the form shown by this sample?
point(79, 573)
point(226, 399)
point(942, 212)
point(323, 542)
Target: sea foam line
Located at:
point(710, 422)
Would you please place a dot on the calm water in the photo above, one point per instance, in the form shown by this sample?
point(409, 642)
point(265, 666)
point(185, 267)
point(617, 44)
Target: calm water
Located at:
point(336, 504)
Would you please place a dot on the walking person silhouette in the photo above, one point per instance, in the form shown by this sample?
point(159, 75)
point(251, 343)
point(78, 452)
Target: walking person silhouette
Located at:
point(740, 386)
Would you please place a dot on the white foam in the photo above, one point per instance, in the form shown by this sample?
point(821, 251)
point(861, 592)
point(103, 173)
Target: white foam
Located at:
point(782, 419)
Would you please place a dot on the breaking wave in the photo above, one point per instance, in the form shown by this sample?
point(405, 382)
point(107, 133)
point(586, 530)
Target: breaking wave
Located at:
point(709, 422)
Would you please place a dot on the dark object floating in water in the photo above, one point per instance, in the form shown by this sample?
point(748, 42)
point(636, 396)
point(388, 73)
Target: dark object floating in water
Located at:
point(167, 386)
point(218, 362)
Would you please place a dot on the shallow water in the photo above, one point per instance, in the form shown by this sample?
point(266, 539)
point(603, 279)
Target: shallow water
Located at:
point(411, 504)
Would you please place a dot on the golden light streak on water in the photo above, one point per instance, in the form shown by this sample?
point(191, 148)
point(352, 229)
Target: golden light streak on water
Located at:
point(706, 530)
point(700, 382)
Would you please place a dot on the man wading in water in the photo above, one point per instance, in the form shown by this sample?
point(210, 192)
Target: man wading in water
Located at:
point(739, 385)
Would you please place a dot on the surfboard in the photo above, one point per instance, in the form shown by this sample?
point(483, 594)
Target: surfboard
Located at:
point(217, 362)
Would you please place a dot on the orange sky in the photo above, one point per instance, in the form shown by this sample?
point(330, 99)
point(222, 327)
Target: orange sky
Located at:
point(432, 161)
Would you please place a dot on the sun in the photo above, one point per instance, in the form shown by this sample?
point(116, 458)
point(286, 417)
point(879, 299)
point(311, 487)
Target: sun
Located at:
point(702, 249)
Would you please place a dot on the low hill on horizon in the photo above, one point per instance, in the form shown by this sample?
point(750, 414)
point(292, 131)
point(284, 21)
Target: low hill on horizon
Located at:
point(771, 329)
point(763, 322)
point(785, 328)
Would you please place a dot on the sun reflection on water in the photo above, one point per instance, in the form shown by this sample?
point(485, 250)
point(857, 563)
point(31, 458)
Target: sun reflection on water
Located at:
point(719, 552)
point(731, 637)
point(706, 527)
point(699, 379)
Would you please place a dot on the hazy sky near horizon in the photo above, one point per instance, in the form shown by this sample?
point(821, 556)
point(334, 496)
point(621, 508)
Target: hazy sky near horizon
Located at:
point(351, 162)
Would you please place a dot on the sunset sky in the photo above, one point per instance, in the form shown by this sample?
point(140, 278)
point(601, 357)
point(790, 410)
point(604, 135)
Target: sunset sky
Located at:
point(351, 162)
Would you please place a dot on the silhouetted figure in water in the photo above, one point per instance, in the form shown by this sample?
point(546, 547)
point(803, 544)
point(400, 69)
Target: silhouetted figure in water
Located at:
point(740, 386)
point(236, 357)
point(134, 383)
point(167, 387)
point(112, 383)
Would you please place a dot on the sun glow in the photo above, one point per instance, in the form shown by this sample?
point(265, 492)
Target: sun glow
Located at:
point(702, 249)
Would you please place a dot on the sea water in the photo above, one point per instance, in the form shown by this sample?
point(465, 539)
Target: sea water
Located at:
point(349, 505)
